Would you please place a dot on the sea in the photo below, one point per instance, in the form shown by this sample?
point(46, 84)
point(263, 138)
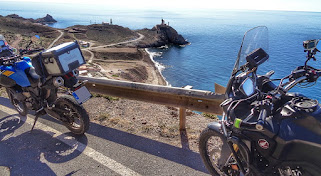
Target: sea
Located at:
point(215, 37)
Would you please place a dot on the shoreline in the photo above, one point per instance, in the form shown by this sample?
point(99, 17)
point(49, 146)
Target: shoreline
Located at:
point(159, 67)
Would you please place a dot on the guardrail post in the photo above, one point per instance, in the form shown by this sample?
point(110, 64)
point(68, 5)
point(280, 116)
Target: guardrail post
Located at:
point(182, 114)
point(182, 119)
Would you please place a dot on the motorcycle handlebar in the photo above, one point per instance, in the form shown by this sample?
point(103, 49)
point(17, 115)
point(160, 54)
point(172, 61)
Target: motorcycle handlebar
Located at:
point(12, 59)
point(238, 123)
point(308, 74)
point(261, 120)
point(25, 51)
point(259, 124)
point(8, 60)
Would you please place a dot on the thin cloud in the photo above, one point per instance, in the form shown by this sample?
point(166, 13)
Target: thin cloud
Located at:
point(288, 5)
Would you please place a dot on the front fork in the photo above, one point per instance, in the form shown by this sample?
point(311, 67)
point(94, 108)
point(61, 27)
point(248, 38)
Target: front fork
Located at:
point(234, 144)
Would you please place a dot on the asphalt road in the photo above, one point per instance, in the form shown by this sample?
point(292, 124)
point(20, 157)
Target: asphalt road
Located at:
point(51, 150)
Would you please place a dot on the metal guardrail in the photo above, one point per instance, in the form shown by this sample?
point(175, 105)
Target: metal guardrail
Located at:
point(198, 100)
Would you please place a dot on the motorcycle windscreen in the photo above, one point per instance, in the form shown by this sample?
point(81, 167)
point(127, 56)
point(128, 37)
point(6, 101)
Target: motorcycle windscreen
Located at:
point(253, 39)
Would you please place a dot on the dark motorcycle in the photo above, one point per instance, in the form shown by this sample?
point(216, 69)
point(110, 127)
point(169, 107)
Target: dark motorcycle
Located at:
point(265, 129)
point(33, 84)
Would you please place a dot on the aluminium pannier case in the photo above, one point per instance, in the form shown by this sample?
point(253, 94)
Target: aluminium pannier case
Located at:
point(63, 58)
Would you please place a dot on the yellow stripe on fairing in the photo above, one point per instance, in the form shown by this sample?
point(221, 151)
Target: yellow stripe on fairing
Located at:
point(8, 73)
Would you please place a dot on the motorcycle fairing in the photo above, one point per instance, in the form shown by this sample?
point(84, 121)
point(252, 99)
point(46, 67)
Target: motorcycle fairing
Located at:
point(19, 75)
point(297, 140)
point(298, 126)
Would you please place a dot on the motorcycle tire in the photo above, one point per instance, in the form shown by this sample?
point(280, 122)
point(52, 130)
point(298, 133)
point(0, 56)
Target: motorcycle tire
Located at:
point(77, 119)
point(206, 153)
point(20, 106)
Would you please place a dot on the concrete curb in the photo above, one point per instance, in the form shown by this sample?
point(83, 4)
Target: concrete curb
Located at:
point(4, 171)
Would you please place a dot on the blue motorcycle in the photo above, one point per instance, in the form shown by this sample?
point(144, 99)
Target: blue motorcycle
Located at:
point(32, 84)
point(265, 129)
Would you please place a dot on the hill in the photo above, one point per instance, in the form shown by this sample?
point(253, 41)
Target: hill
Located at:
point(102, 33)
point(161, 35)
point(21, 29)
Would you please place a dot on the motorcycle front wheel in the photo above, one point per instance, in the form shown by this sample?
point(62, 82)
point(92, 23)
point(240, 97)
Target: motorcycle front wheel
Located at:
point(218, 158)
point(210, 147)
point(20, 106)
point(75, 117)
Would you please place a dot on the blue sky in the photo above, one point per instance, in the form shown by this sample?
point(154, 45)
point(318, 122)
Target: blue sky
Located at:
point(288, 5)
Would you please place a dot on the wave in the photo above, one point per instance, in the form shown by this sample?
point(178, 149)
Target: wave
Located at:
point(158, 65)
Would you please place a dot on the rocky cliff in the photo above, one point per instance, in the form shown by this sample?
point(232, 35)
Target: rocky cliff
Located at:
point(45, 20)
point(161, 35)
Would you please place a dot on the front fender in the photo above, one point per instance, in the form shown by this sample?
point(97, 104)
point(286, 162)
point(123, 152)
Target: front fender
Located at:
point(225, 150)
point(216, 126)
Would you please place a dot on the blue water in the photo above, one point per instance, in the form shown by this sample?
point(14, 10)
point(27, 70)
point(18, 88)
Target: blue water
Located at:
point(215, 37)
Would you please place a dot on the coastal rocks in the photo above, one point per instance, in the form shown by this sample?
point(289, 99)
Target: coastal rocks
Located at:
point(45, 20)
point(18, 25)
point(169, 35)
point(161, 35)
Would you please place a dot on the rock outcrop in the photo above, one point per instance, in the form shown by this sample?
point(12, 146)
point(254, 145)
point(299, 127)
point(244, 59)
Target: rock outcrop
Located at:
point(161, 35)
point(45, 20)
point(170, 35)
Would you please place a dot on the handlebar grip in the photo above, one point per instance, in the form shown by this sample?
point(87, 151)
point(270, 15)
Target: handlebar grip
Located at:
point(261, 120)
point(239, 123)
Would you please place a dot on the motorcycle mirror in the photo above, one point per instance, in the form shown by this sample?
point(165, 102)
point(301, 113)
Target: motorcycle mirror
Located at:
point(2, 43)
point(14, 50)
point(248, 87)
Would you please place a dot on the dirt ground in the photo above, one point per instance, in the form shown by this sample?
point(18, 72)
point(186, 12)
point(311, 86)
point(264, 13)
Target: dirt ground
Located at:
point(139, 68)
point(152, 121)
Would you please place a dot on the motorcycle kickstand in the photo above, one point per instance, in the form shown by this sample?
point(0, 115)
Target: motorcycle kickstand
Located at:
point(34, 123)
point(38, 114)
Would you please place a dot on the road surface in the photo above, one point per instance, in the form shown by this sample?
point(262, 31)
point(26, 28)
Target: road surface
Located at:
point(61, 34)
point(141, 36)
point(51, 150)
